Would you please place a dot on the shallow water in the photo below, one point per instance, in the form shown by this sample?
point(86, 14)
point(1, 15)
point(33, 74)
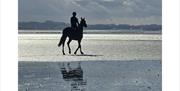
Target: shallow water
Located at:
point(94, 36)
point(142, 75)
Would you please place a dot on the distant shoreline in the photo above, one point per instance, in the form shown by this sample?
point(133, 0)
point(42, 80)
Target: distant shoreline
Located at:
point(90, 32)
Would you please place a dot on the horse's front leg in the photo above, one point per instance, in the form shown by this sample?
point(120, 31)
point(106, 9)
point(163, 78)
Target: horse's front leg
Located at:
point(79, 42)
point(69, 46)
point(79, 46)
point(76, 50)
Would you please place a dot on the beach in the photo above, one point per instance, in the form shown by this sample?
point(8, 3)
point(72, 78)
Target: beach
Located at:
point(43, 47)
point(112, 62)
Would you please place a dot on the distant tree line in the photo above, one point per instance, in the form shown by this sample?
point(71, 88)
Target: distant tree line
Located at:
point(52, 25)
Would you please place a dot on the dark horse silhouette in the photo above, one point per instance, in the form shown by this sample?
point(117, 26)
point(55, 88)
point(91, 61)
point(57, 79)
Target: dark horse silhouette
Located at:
point(73, 35)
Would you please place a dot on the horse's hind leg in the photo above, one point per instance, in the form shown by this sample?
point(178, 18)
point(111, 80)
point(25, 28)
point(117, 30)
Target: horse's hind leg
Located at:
point(63, 49)
point(69, 46)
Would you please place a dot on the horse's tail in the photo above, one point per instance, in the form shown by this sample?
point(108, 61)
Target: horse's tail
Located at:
point(63, 39)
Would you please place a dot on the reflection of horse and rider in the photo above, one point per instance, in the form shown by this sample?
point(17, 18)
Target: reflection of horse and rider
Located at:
point(75, 32)
point(72, 74)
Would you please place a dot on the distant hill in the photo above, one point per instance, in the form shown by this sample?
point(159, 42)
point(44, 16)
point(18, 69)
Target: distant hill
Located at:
point(52, 25)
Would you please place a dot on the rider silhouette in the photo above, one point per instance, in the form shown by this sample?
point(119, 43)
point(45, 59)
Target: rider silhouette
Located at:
point(74, 21)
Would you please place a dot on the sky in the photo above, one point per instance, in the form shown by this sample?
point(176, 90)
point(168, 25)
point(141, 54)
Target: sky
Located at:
point(133, 12)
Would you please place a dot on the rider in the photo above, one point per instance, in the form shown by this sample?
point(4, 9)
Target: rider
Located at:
point(74, 21)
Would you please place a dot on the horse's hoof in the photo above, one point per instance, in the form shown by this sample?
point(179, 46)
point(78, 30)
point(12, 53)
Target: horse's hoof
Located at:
point(82, 53)
point(58, 45)
point(75, 53)
point(63, 53)
point(69, 52)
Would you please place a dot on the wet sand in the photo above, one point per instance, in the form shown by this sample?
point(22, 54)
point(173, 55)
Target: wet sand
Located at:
point(111, 63)
point(95, 46)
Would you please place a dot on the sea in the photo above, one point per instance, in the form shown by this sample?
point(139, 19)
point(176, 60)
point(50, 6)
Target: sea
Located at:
point(95, 31)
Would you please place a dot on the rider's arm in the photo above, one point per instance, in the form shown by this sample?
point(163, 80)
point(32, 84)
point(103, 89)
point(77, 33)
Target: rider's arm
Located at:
point(77, 21)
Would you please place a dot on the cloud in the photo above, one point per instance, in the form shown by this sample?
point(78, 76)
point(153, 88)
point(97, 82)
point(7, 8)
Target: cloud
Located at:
point(94, 10)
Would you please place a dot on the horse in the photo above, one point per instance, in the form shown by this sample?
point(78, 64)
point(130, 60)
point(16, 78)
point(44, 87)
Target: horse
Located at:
point(73, 34)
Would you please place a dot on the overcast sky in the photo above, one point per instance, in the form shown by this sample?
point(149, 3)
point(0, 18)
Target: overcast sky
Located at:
point(95, 11)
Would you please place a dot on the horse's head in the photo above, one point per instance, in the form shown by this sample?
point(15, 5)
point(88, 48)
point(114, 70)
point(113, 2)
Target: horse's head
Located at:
point(83, 22)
